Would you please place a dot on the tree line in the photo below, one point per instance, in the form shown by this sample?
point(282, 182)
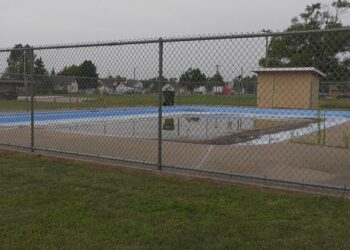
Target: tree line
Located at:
point(326, 51)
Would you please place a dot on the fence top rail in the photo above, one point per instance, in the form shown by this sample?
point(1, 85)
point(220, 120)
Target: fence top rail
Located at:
point(180, 39)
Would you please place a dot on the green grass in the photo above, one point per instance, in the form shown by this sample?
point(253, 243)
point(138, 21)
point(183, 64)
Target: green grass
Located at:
point(129, 100)
point(46, 204)
point(335, 104)
point(152, 100)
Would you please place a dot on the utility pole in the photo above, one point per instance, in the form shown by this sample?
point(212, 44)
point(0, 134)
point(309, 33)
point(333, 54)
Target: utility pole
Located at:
point(266, 46)
point(242, 72)
point(217, 68)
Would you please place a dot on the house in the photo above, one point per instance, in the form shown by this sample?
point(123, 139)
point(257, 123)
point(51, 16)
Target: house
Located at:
point(67, 84)
point(183, 91)
point(105, 90)
point(291, 88)
point(339, 90)
point(88, 91)
point(10, 89)
point(87, 85)
point(122, 88)
point(73, 88)
point(334, 91)
point(107, 86)
point(200, 90)
point(137, 86)
point(218, 89)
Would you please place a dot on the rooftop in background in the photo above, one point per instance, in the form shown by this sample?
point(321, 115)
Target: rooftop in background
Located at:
point(302, 69)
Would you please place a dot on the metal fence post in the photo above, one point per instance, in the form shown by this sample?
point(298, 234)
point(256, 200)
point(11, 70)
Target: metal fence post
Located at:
point(160, 103)
point(32, 137)
point(25, 80)
point(267, 51)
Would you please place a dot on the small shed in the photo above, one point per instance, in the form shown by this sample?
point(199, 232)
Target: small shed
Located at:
point(290, 88)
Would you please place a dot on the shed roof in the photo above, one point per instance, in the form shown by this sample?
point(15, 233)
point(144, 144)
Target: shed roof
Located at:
point(299, 69)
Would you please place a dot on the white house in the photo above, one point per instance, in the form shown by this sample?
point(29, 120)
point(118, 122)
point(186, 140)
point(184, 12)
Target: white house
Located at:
point(65, 83)
point(200, 90)
point(218, 89)
point(123, 89)
point(105, 90)
point(73, 88)
point(138, 87)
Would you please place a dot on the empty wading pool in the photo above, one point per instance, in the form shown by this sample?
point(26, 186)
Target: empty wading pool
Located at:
point(190, 124)
point(194, 128)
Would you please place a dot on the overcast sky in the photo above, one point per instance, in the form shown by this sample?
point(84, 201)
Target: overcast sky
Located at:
point(64, 21)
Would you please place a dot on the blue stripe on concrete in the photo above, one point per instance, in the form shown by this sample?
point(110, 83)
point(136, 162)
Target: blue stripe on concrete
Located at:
point(119, 112)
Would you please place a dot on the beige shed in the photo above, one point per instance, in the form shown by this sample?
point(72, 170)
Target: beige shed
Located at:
point(290, 88)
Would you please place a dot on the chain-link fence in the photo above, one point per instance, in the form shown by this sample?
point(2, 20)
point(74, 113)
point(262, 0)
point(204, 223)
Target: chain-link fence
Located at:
point(270, 107)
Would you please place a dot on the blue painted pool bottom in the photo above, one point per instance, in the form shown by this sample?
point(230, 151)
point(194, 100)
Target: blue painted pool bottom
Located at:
point(51, 117)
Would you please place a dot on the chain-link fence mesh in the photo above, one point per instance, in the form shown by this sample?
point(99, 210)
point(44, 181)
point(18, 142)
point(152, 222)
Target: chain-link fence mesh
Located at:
point(269, 106)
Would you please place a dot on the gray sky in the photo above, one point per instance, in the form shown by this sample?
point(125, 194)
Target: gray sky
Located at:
point(64, 21)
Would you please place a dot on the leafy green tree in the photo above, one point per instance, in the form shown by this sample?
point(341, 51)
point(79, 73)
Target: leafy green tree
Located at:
point(327, 51)
point(19, 61)
point(172, 80)
point(43, 82)
point(153, 83)
point(192, 78)
point(39, 67)
point(72, 70)
point(215, 80)
point(120, 79)
point(86, 74)
point(88, 69)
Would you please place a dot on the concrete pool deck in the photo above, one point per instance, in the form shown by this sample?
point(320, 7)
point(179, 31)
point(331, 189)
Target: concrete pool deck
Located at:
point(285, 161)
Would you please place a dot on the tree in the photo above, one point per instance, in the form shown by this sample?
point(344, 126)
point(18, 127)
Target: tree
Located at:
point(192, 78)
point(152, 84)
point(72, 70)
point(19, 61)
point(85, 73)
point(215, 80)
point(88, 69)
point(39, 67)
point(245, 84)
point(324, 51)
point(43, 82)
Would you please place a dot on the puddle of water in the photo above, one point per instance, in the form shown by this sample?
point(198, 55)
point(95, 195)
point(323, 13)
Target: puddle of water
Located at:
point(178, 127)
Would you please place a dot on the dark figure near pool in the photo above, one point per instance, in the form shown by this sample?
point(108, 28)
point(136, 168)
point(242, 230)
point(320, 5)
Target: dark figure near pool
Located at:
point(169, 100)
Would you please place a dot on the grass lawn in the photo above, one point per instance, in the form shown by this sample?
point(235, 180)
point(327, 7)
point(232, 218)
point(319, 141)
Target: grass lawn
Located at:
point(335, 104)
point(152, 100)
point(47, 203)
point(129, 100)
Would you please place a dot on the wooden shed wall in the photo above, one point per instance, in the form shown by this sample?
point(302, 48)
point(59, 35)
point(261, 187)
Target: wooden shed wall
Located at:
point(291, 90)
